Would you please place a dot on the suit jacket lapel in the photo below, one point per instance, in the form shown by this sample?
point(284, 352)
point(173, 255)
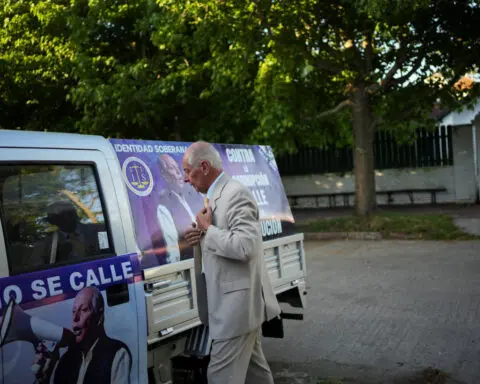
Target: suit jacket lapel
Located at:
point(217, 193)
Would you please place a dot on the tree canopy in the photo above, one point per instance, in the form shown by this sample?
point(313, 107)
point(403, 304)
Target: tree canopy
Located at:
point(35, 66)
point(288, 73)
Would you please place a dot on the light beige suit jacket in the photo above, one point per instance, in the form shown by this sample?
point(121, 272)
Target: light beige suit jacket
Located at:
point(235, 295)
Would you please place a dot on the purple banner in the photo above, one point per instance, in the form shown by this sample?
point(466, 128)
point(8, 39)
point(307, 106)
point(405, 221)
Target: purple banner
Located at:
point(47, 286)
point(49, 319)
point(164, 206)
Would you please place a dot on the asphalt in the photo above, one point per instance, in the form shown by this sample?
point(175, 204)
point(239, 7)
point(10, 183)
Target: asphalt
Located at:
point(380, 311)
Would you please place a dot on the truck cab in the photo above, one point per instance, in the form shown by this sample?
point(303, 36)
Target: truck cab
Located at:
point(84, 291)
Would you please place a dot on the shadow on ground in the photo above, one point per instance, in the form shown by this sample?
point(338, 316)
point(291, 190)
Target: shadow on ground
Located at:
point(334, 373)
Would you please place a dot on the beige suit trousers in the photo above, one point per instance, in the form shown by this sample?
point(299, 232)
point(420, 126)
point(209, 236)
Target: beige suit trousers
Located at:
point(239, 361)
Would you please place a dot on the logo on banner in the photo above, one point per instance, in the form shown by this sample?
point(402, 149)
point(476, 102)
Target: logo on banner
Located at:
point(138, 176)
point(267, 153)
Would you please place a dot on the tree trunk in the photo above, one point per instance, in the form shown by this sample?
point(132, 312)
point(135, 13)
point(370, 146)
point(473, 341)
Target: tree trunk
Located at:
point(363, 131)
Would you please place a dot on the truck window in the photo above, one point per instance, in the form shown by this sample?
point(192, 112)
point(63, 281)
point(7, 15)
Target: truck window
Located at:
point(51, 215)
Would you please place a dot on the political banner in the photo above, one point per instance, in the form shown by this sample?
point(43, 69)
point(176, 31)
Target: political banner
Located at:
point(164, 206)
point(55, 320)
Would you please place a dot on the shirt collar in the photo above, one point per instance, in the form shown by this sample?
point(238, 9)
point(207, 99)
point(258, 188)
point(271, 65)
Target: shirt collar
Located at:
point(212, 187)
point(88, 355)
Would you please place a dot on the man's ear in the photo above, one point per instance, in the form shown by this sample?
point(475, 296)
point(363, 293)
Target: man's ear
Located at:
point(207, 166)
point(204, 167)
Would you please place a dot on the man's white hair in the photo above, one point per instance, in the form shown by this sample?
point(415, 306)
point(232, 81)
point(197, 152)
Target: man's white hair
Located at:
point(204, 151)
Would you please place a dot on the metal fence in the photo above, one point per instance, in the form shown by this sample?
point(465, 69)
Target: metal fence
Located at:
point(430, 149)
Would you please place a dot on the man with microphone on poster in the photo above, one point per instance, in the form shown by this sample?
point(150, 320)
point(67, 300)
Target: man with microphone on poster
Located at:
point(94, 357)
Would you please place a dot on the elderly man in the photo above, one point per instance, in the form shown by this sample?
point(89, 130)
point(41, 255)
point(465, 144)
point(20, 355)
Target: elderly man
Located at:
point(95, 357)
point(234, 293)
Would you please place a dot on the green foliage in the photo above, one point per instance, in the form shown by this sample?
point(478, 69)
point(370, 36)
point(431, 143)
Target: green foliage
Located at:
point(296, 60)
point(347, 45)
point(35, 65)
point(232, 71)
point(394, 225)
point(145, 70)
point(379, 7)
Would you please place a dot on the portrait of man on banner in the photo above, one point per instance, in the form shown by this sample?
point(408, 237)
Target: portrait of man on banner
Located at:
point(94, 357)
point(177, 203)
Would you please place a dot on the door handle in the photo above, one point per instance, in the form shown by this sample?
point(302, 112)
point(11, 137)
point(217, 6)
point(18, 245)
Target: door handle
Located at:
point(117, 294)
point(150, 287)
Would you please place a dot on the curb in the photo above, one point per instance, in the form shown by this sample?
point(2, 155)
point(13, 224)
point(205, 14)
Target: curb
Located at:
point(372, 236)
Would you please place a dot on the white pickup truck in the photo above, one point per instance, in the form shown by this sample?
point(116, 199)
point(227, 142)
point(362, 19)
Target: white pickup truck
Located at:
point(96, 282)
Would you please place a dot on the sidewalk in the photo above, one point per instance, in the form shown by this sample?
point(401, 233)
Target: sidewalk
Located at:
point(466, 217)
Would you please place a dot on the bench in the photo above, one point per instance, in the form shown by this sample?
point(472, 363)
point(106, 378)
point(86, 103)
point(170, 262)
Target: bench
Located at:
point(331, 198)
point(346, 196)
point(433, 193)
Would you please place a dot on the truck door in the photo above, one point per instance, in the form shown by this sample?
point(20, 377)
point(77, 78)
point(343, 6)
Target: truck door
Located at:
point(67, 305)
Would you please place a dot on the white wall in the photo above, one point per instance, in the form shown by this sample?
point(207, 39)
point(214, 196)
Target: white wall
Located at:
point(463, 164)
point(459, 179)
point(477, 134)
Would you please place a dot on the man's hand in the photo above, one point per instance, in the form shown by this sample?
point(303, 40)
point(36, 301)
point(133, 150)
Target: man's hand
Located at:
point(204, 218)
point(193, 235)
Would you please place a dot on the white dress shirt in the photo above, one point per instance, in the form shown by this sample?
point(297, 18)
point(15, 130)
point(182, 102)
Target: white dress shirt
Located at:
point(212, 187)
point(169, 230)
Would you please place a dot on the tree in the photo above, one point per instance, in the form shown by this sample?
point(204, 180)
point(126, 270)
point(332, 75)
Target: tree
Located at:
point(35, 66)
point(362, 64)
point(286, 73)
point(105, 68)
point(136, 79)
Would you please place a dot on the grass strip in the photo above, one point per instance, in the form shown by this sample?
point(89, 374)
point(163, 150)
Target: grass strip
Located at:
point(394, 225)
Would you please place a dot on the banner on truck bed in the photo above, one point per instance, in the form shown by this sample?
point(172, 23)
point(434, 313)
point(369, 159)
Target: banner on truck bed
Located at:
point(72, 324)
point(164, 206)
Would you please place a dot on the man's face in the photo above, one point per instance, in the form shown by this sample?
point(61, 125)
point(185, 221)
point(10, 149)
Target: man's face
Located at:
point(173, 174)
point(83, 317)
point(195, 176)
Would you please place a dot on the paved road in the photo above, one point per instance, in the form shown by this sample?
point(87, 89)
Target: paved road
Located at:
point(385, 309)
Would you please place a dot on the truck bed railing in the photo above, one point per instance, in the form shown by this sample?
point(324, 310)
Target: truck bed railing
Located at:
point(170, 290)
